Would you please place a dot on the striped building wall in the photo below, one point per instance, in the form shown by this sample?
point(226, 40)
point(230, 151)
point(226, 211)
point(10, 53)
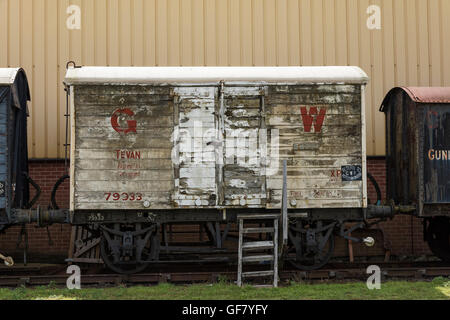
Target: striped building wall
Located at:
point(410, 48)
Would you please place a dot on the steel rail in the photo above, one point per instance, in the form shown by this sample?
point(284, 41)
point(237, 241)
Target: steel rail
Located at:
point(409, 273)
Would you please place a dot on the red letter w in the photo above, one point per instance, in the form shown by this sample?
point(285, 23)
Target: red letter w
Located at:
point(308, 118)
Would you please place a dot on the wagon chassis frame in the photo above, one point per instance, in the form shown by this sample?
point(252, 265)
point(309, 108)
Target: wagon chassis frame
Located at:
point(223, 215)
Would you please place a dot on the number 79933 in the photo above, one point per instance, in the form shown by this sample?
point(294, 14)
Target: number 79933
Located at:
point(124, 196)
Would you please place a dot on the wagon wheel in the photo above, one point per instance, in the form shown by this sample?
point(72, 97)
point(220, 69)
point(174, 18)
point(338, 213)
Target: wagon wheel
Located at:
point(128, 251)
point(312, 242)
point(438, 237)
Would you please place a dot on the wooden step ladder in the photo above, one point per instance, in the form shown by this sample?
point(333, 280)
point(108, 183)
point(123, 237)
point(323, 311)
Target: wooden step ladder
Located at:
point(258, 245)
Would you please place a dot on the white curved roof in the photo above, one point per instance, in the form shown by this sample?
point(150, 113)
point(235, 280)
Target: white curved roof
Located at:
point(8, 75)
point(143, 75)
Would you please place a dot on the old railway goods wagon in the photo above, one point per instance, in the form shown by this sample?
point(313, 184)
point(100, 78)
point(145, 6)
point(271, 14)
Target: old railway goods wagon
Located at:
point(418, 158)
point(14, 179)
point(162, 145)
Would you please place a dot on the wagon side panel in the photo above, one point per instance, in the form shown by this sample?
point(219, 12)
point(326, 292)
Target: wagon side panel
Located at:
point(435, 158)
point(123, 143)
point(320, 136)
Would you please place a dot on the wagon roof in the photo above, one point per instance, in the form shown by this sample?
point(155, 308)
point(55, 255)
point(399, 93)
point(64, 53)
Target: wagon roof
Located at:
point(14, 80)
point(143, 75)
point(420, 95)
point(8, 75)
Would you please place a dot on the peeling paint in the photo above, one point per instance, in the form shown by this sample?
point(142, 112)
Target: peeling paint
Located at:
point(211, 147)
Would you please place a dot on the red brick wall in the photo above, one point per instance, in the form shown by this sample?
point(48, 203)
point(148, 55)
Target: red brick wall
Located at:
point(45, 173)
point(403, 232)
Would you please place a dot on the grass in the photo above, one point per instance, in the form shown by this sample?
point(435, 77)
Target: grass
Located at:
point(437, 289)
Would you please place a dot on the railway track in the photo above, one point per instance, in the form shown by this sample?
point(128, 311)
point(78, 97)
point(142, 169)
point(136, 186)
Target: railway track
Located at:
point(355, 272)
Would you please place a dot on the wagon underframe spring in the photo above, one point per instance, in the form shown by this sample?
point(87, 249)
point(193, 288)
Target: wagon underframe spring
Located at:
point(313, 243)
point(129, 251)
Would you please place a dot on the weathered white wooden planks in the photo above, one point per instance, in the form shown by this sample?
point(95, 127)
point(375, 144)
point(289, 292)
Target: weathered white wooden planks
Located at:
point(161, 147)
point(194, 162)
point(123, 147)
point(319, 133)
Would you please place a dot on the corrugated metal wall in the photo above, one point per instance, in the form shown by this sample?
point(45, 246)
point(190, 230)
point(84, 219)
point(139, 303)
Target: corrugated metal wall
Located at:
point(411, 48)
